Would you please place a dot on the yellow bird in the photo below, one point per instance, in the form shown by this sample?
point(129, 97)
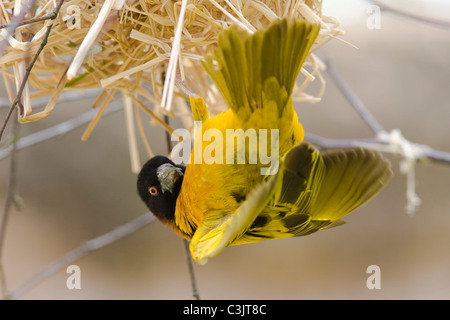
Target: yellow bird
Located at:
point(233, 195)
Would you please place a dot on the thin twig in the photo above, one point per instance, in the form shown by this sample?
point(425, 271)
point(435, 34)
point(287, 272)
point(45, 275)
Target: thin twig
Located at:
point(438, 156)
point(17, 100)
point(353, 99)
point(390, 142)
point(427, 153)
point(59, 129)
point(330, 143)
point(8, 202)
point(85, 248)
point(52, 15)
point(195, 292)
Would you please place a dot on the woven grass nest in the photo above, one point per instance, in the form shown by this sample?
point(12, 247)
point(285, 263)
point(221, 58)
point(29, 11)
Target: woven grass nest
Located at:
point(126, 46)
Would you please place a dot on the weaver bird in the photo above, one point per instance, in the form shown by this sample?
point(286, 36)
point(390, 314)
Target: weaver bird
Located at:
point(225, 203)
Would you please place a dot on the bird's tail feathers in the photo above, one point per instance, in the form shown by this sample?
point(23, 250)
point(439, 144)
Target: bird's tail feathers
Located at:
point(252, 66)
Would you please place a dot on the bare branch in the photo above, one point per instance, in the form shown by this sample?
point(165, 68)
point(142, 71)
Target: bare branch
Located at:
point(374, 143)
point(353, 99)
point(328, 143)
point(51, 15)
point(382, 136)
point(390, 142)
point(195, 292)
point(9, 201)
point(85, 248)
point(58, 130)
point(438, 156)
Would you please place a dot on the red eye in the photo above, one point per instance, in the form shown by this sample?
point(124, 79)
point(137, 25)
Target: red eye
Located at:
point(153, 191)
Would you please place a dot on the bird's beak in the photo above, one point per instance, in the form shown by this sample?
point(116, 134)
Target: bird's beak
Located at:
point(168, 175)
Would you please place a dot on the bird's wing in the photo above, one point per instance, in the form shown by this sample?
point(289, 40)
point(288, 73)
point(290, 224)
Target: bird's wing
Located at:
point(303, 172)
point(287, 214)
point(215, 234)
point(353, 177)
point(317, 190)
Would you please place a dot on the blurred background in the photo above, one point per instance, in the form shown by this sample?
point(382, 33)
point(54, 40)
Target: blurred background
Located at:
point(74, 191)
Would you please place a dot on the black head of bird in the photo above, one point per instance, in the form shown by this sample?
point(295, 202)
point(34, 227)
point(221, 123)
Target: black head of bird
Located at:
point(159, 184)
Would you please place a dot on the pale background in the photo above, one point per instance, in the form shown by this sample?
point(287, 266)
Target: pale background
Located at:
point(75, 190)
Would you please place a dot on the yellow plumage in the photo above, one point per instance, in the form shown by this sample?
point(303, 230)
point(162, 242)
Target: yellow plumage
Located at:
point(224, 204)
point(240, 79)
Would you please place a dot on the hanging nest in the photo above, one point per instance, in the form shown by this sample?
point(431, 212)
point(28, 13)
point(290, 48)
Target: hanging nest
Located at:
point(131, 46)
